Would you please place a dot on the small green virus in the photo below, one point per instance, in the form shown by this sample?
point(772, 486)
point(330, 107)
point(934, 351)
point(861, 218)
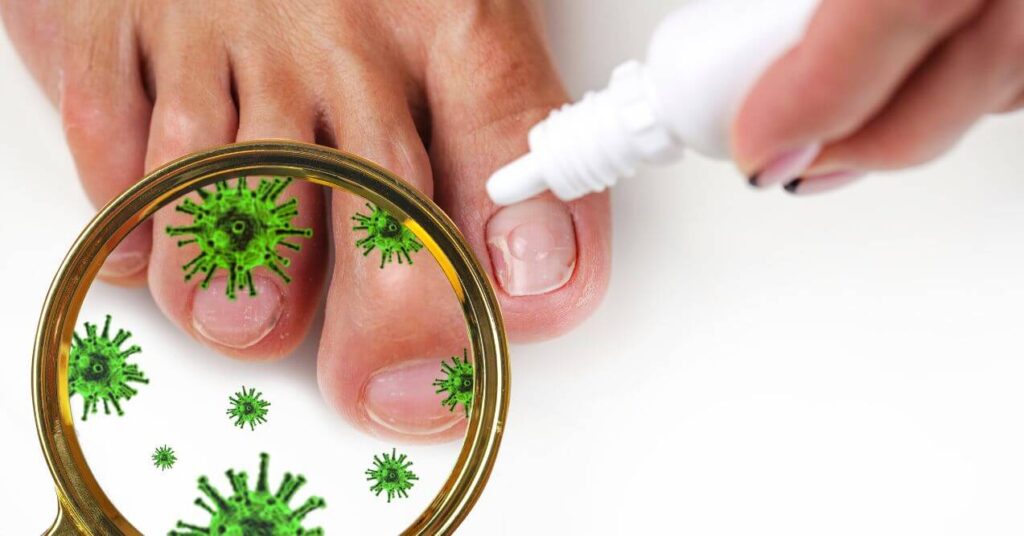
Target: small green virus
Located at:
point(458, 383)
point(98, 369)
point(248, 407)
point(254, 512)
point(387, 234)
point(391, 474)
point(239, 230)
point(164, 457)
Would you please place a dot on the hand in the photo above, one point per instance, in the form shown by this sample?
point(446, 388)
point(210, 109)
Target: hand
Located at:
point(878, 85)
point(441, 92)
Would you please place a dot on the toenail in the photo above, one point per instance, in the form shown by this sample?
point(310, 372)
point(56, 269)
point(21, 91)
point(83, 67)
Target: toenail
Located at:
point(532, 246)
point(403, 399)
point(128, 258)
point(238, 323)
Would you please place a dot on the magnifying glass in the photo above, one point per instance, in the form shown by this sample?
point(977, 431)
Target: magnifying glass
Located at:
point(145, 433)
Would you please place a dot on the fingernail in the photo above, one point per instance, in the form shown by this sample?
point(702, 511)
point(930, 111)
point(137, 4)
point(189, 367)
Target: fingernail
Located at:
point(403, 399)
point(238, 323)
point(786, 167)
point(532, 246)
point(129, 257)
point(822, 183)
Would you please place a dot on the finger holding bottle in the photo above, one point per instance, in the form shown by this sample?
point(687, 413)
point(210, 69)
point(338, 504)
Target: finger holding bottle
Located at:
point(879, 85)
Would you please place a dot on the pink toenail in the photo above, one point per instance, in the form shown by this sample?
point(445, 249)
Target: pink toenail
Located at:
point(129, 257)
point(402, 398)
point(532, 246)
point(238, 323)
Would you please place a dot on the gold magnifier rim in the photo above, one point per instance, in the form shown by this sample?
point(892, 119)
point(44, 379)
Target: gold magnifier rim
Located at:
point(83, 508)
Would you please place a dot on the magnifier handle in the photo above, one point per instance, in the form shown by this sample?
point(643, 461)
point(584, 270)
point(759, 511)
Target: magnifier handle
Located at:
point(63, 525)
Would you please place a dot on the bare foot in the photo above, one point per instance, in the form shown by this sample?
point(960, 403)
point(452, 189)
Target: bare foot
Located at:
point(441, 92)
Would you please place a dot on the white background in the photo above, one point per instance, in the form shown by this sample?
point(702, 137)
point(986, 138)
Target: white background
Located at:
point(846, 364)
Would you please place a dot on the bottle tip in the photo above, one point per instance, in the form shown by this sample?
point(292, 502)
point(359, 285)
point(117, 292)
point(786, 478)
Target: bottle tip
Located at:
point(517, 181)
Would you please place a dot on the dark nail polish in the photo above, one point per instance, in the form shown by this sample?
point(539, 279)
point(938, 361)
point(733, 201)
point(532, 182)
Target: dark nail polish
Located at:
point(792, 185)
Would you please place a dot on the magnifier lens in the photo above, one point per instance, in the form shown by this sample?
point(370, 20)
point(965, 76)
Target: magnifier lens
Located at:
point(183, 439)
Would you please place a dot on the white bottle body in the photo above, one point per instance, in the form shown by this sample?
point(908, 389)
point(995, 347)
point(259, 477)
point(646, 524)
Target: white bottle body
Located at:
point(706, 56)
point(702, 61)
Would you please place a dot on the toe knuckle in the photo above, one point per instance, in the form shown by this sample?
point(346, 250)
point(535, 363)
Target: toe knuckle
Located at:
point(352, 64)
point(87, 119)
point(505, 90)
point(176, 114)
point(177, 123)
point(503, 53)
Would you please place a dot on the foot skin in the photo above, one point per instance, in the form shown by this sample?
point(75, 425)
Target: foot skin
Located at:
point(440, 92)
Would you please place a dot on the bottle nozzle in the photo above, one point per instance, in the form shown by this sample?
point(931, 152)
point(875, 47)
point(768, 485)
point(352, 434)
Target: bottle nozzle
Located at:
point(517, 181)
point(586, 147)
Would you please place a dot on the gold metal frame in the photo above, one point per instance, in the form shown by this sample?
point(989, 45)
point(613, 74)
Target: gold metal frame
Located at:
point(83, 507)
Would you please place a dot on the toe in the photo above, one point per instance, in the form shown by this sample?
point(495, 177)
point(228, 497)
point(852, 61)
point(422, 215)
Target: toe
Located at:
point(550, 259)
point(106, 112)
point(267, 316)
point(34, 29)
point(387, 325)
point(280, 110)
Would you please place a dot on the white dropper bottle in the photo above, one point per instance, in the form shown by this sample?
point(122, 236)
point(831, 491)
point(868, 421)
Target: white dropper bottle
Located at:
point(702, 61)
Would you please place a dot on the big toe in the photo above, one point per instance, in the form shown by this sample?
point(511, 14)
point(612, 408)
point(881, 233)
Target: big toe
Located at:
point(550, 259)
point(387, 331)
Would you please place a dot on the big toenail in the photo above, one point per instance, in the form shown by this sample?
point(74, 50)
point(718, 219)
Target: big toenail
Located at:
point(402, 398)
point(128, 258)
point(238, 323)
point(532, 246)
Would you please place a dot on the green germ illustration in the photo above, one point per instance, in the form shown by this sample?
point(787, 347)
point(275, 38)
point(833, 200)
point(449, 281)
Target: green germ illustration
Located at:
point(164, 457)
point(457, 382)
point(385, 233)
point(254, 512)
point(239, 230)
point(391, 474)
point(98, 369)
point(248, 407)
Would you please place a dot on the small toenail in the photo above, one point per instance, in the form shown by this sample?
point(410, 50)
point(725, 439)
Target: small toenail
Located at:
point(128, 258)
point(238, 323)
point(532, 246)
point(403, 399)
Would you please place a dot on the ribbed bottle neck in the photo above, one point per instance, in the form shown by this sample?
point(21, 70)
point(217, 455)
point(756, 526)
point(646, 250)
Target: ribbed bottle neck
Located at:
point(586, 146)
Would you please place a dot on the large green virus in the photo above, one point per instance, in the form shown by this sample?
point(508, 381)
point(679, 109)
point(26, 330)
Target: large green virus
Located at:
point(385, 233)
point(98, 369)
point(457, 382)
point(164, 457)
point(239, 230)
point(391, 474)
point(254, 512)
point(248, 407)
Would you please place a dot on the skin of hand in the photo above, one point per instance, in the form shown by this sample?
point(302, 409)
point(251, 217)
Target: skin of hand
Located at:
point(879, 85)
point(441, 92)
